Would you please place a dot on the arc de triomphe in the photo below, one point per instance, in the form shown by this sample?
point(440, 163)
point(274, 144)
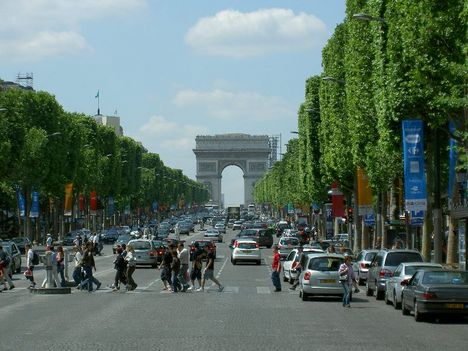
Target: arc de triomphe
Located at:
point(214, 153)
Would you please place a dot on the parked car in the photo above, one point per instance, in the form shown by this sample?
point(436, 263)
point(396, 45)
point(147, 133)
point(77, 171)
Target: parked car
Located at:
point(286, 245)
point(403, 272)
point(246, 250)
point(145, 252)
point(213, 234)
point(362, 263)
point(382, 267)
point(436, 292)
point(320, 276)
point(292, 260)
point(13, 251)
point(21, 242)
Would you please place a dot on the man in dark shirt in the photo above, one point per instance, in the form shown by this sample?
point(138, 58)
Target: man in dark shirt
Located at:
point(166, 268)
point(208, 272)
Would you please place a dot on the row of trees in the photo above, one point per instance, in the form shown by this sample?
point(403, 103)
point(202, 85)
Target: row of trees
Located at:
point(388, 61)
point(43, 147)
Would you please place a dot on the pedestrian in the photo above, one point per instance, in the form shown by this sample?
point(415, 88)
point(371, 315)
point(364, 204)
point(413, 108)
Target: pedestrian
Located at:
point(120, 266)
point(166, 268)
point(61, 265)
point(77, 256)
point(29, 274)
point(97, 244)
point(177, 231)
point(184, 258)
point(5, 263)
point(197, 266)
point(275, 269)
point(78, 241)
point(131, 265)
point(346, 274)
point(175, 270)
point(49, 241)
point(298, 267)
point(331, 249)
point(208, 272)
point(88, 265)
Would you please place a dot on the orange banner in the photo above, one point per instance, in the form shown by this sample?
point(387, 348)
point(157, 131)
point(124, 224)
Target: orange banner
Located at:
point(364, 192)
point(67, 208)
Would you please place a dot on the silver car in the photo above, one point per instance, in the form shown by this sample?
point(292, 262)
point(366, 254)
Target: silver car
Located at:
point(286, 245)
point(291, 262)
point(403, 272)
point(362, 263)
point(320, 276)
point(214, 234)
point(145, 252)
point(246, 250)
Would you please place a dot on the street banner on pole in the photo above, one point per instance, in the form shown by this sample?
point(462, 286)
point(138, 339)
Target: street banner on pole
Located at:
point(364, 193)
point(82, 202)
point(452, 164)
point(67, 210)
point(93, 202)
point(337, 201)
point(417, 218)
point(34, 212)
point(414, 168)
point(154, 206)
point(21, 202)
point(110, 206)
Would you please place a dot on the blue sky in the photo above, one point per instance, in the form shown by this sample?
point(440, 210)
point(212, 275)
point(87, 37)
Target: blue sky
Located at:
point(173, 69)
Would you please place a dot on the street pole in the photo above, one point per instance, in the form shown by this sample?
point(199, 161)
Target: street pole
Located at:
point(437, 211)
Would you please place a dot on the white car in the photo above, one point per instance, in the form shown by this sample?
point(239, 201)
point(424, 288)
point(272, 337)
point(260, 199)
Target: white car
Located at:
point(292, 260)
point(220, 227)
point(214, 234)
point(237, 225)
point(246, 250)
point(393, 287)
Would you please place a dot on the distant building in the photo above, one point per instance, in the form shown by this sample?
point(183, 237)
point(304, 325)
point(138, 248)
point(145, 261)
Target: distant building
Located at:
point(110, 121)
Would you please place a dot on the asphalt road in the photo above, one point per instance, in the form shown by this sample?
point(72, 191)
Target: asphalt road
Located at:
point(247, 315)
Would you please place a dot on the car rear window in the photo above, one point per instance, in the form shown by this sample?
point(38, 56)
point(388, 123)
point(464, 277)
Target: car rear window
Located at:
point(395, 258)
point(289, 241)
point(410, 270)
point(370, 256)
point(325, 264)
point(445, 277)
point(141, 245)
point(247, 246)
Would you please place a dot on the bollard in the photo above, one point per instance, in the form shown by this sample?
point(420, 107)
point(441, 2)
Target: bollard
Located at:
point(47, 261)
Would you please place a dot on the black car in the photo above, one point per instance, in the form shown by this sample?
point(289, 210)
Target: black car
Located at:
point(111, 235)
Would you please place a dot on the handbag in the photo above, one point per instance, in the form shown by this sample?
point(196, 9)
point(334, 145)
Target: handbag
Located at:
point(344, 278)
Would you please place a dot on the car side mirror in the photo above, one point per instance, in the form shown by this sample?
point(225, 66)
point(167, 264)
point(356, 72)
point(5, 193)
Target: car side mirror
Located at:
point(404, 282)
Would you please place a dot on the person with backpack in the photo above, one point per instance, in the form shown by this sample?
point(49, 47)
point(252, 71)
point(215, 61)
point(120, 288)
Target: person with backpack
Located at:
point(5, 263)
point(32, 259)
point(60, 257)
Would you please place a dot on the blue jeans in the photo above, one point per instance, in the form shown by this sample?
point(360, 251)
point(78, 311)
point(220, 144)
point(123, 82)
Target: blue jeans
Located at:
point(275, 278)
point(61, 271)
point(77, 275)
point(89, 279)
point(175, 282)
point(347, 292)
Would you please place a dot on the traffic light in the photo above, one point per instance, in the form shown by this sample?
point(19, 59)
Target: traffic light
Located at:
point(350, 214)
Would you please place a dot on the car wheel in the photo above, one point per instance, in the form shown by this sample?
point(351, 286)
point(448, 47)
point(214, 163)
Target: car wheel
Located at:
point(234, 262)
point(304, 296)
point(369, 291)
point(396, 305)
point(418, 316)
point(387, 301)
point(404, 310)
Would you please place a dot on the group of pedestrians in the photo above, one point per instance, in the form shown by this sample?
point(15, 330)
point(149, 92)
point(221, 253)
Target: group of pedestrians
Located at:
point(5, 270)
point(175, 274)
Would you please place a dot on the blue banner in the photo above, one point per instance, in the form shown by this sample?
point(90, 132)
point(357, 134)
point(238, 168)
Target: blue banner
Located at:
point(369, 219)
point(452, 162)
point(414, 168)
point(34, 212)
point(111, 206)
point(154, 206)
point(21, 202)
point(417, 218)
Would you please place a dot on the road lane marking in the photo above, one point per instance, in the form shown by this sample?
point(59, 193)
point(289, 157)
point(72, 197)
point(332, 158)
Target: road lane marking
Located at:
point(263, 290)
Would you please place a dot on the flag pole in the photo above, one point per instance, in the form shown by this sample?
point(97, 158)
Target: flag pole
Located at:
point(98, 109)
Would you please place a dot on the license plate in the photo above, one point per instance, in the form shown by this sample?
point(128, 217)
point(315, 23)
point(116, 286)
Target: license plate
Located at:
point(454, 305)
point(328, 281)
point(247, 251)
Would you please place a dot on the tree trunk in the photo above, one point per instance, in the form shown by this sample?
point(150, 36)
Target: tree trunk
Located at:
point(452, 242)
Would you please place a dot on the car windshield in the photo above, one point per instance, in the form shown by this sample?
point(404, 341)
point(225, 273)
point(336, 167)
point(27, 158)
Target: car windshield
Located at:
point(140, 245)
point(395, 258)
point(325, 264)
point(158, 243)
point(247, 245)
point(123, 238)
point(247, 232)
point(445, 278)
point(370, 256)
point(410, 270)
point(289, 241)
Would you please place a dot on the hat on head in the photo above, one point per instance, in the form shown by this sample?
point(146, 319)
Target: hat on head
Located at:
point(48, 234)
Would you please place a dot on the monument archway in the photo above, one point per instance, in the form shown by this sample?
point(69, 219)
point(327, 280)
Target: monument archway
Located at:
point(251, 153)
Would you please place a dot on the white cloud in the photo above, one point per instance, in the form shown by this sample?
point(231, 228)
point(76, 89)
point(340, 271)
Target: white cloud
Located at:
point(226, 105)
point(158, 125)
point(33, 29)
point(237, 34)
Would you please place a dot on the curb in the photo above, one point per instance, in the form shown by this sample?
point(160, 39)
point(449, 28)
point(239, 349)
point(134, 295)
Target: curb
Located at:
point(50, 291)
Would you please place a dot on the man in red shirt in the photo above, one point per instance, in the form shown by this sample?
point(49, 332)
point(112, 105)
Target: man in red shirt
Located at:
point(275, 269)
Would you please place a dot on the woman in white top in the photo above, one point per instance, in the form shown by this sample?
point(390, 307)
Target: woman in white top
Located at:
point(77, 256)
point(131, 264)
point(29, 263)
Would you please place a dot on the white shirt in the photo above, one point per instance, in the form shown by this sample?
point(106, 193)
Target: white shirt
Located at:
point(184, 256)
point(96, 239)
point(78, 256)
point(29, 258)
point(49, 240)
